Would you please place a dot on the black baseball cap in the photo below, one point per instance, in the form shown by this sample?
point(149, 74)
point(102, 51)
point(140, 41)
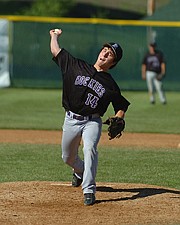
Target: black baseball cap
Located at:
point(153, 44)
point(118, 52)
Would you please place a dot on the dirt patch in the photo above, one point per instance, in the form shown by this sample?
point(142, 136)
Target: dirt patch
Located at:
point(128, 139)
point(56, 203)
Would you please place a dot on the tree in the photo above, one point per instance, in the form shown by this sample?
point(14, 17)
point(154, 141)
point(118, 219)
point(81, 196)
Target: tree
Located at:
point(51, 8)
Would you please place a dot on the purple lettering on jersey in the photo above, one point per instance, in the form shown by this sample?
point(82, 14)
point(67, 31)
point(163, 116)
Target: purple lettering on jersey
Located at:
point(85, 80)
point(77, 81)
point(82, 80)
point(100, 94)
point(91, 100)
point(93, 84)
point(153, 61)
point(98, 88)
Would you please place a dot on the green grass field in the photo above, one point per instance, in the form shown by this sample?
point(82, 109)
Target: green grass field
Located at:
point(41, 109)
point(32, 162)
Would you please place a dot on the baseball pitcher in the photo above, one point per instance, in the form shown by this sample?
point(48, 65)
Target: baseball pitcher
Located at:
point(87, 92)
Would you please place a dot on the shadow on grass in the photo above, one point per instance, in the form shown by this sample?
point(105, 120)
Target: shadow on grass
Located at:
point(140, 193)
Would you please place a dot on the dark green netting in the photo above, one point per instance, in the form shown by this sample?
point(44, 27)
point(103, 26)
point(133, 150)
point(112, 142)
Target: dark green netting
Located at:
point(32, 65)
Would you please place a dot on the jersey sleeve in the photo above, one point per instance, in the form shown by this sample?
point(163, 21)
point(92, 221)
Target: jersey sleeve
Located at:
point(120, 103)
point(63, 59)
point(161, 57)
point(144, 60)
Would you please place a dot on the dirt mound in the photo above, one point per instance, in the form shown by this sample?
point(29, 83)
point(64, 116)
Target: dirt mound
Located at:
point(55, 203)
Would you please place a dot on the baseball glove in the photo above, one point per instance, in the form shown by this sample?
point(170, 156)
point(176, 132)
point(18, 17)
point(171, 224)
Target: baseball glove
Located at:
point(116, 126)
point(160, 77)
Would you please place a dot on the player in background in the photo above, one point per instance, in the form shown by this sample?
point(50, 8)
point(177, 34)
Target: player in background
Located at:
point(87, 92)
point(153, 71)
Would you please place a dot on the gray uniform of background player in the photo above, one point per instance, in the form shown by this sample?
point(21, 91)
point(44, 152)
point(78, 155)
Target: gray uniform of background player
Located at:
point(153, 71)
point(87, 93)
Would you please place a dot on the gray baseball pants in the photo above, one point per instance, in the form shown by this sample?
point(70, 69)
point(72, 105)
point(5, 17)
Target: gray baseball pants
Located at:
point(153, 82)
point(89, 131)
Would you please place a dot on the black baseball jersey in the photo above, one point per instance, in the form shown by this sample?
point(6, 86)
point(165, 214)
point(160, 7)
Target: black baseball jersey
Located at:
point(85, 90)
point(153, 61)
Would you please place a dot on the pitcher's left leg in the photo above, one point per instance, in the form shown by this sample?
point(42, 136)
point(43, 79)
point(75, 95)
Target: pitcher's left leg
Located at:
point(91, 135)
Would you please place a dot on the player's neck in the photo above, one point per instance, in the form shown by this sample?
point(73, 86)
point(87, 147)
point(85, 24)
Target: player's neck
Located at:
point(100, 69)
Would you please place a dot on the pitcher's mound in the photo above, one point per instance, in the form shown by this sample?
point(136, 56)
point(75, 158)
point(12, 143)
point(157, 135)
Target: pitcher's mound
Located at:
point(56, 203)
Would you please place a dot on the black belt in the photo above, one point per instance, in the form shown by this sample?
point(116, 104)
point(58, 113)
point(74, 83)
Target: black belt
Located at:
point(81, 118)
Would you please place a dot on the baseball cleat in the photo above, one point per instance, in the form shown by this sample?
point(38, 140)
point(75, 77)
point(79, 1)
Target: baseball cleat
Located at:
point(76, 182)
point(89, 199)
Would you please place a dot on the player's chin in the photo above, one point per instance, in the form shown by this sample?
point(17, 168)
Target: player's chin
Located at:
point(101, 61)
